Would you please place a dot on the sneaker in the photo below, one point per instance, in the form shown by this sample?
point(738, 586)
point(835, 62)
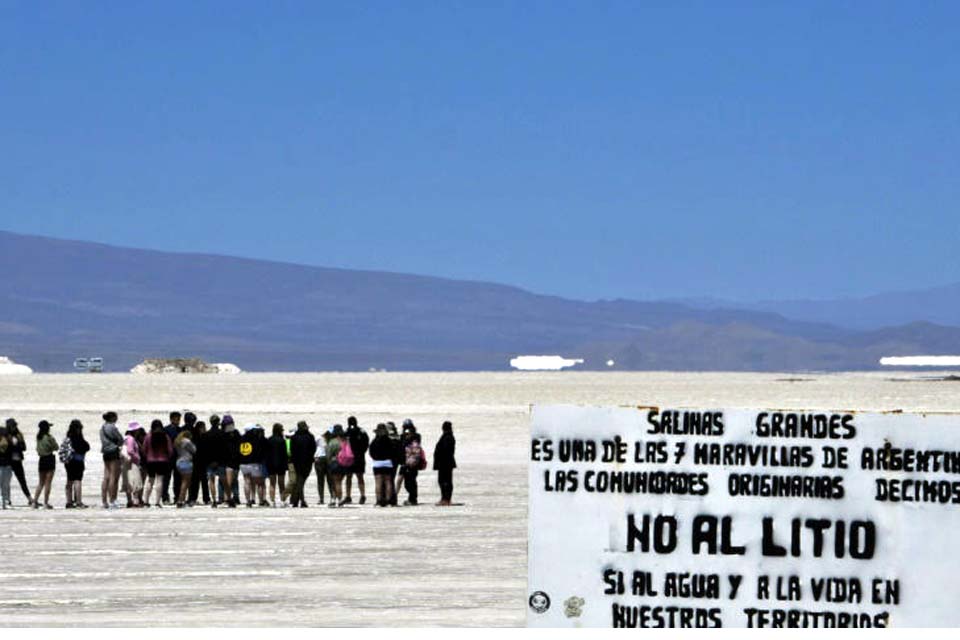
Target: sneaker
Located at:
point(363, 499)
point(114, 505)
point(48, 506)
point(347, 500)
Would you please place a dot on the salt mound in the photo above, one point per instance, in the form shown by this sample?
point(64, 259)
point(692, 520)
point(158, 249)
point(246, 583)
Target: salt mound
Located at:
point(9, 367)
point(543, 363)
point(183, 365)
point(227, 367)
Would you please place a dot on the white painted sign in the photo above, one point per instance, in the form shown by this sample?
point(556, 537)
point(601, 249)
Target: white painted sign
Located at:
point(664, 517)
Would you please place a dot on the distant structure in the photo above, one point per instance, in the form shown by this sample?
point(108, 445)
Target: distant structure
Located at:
point(183, 365)
point(88, 365)
point(543, 363)
point(921, 361)
point(9, 367)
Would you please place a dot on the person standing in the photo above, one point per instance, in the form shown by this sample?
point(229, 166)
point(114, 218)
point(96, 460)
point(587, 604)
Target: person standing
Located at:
point(185, 451)
point(252, 457)
point(397, 459)
point(172, 430)
point(321, 467)
point(302, 448)
point(444, 463)
point(73, 454)
point(359, 443)
point(277, 462)
point(414, 461)
point(110, 443)
point(198, 480)
point(157, 450)
point(213, 457)
point(18, 447)
point(131, 463)
point(382, 454)
point(6, 471)
point(47, 447)
point(231, 460)
point(336, 464)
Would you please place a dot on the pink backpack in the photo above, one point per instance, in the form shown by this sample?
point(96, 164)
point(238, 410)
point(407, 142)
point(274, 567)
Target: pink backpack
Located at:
point(345, 456)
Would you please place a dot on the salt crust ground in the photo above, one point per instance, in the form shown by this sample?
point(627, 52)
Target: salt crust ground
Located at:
point(355, 566)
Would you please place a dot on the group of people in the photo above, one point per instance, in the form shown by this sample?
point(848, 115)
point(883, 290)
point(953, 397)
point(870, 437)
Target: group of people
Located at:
point(188, 460)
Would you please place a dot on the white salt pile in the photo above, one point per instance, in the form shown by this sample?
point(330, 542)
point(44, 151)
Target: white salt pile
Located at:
point(9, 367)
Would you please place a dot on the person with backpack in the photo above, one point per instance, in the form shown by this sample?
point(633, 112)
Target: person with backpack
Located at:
point(110, 443)
point(73, 454)
point(277, 460)
point(46, 465)
point(414, 461)
point(131, 459)
point(157, 450)
point(302, 448)
point(382, 453)
point(444, 463)
point(18, 447)
point(6, 471)
point(359, 443)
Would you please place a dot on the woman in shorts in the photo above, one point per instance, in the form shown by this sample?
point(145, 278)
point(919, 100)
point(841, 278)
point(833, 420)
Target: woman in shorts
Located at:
point(157, 450)
point(76, 465)
point(277, 461)
point(47, 447)
point(186, 451)
point(132, 463)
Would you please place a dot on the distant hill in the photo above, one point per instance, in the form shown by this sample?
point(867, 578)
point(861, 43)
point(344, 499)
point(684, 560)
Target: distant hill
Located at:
point(60, 299)
point(937, 305)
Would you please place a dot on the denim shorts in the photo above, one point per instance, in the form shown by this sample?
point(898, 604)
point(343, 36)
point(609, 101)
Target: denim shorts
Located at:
point(184, 466)
point(216, 472)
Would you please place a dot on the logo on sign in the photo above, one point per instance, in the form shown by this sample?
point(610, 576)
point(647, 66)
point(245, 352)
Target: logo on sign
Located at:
point(539, 601)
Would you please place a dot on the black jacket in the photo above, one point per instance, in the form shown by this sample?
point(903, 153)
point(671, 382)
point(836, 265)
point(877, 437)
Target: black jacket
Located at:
point(443, 459)
point(277, 453)
point(302, 448)
point(359, 442)
point(231, 449)
point(252, 447)
point(381, 448)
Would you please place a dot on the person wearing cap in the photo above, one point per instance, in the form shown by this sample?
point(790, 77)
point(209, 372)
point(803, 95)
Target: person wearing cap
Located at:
point(414, 460)
point(47, 448)
point(18, 447)
point(231, 461)
point(131, 459)
point(302, 448)
point(444, 463)
point(382, 454)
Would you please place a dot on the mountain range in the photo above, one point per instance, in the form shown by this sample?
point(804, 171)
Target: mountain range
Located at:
point(60, 299)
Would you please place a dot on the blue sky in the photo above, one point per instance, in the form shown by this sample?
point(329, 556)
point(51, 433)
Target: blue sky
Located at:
point(590, 149)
